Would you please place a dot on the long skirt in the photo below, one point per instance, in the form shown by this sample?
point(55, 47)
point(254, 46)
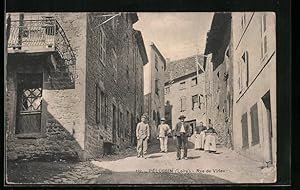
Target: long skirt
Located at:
point(210, 143)
point(202, 139)
point(197, 141)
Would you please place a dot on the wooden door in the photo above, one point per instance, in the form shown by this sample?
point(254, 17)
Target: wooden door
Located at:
point(29, 103)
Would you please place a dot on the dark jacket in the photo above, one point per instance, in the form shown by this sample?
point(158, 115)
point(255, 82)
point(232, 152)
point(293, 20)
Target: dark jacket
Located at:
point(186, 128)
point(199, 129)
point(211, 130)
point(203, 128)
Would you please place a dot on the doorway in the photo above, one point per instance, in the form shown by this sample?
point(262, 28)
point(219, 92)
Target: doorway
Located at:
point(192, 125)
point(269, 132)
point(29, 103)
point(114, 125)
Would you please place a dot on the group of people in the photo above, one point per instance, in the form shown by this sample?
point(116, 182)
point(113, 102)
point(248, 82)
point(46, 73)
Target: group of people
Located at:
point(204, 138)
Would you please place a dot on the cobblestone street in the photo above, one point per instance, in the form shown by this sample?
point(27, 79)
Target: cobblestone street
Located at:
point(125, 168)
point(82, 173)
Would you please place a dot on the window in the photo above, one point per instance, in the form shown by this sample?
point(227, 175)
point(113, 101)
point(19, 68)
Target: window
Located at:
point(114, 123)
point(195, 100)
point(201, 100)
point(264, 42)
point(182, 103)
point(101, 107)
point(243, 69)
point(182, 85)
point(121, 127)
point(127, 72)
point(167, 90)
point(115, 65)
point(156, 62)
point(194, 81)
point(243, 21)
point(158, 118)
point(98, 104)
point(127, 125)
point(245, 131)
point(127, 75)
point(254, 125)
point(102, 46)
point(156, 86)
point(104, 110)
point(218, 74)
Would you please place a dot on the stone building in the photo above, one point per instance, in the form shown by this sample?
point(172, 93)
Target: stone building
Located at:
point(219, 74)
point(184, 92)
point(154, 98)
point(254, 105)
point(74, 84)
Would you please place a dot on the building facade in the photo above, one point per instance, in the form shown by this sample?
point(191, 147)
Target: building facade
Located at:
point(254, 103)
point(73, 84)
point(154, 98)
point(185, 92)
point(219, 77)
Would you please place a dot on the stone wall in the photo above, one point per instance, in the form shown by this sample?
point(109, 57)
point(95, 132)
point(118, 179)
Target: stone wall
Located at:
point(219, 77)
point(126, 93)
point(62, 118)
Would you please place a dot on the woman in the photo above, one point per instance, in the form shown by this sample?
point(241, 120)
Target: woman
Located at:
point(210, 139)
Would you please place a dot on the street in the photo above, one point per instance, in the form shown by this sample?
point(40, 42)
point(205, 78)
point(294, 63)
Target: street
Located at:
point(201, 168)
point(159, 168)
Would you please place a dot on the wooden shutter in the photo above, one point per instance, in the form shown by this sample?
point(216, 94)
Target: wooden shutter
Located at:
point(98, 104)
point(245, 131)
point(254, 125)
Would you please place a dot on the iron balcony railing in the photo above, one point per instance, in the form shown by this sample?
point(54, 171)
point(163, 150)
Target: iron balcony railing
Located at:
point(42, 36)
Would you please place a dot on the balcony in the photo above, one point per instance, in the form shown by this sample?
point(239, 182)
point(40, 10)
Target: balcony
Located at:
point(40, 37)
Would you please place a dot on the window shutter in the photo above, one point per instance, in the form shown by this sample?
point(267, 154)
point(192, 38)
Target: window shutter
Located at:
point(254, 125)
point(245, 131)
point(97, 103)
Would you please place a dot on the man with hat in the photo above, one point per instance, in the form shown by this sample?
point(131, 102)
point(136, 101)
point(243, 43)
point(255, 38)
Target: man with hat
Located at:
point(182, 133)
point(142, 135)
point(163, 131)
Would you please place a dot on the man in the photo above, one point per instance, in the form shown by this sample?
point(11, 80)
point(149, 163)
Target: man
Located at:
point(182, 133)
point(163, 131)
point(142, 135)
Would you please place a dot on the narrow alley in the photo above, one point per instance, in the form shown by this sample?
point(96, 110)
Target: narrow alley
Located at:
point(225, 166)
point(86, 92)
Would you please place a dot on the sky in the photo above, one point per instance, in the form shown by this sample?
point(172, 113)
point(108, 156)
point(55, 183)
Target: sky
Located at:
point(176, 34)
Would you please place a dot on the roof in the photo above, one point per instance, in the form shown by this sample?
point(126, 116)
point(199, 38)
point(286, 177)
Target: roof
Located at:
point(133, 17)
point(141, 46)
point(159, 54)
point(182, 67)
